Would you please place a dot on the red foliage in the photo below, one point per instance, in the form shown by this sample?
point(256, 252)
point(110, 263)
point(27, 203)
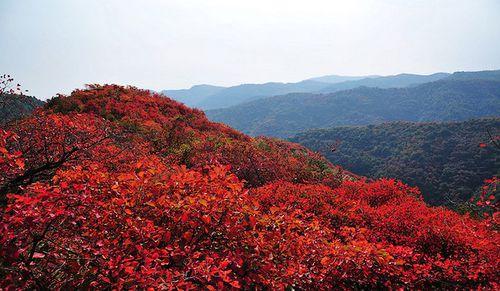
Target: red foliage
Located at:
point(145, 199)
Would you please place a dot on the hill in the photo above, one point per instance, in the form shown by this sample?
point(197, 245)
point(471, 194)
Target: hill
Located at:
point(284, 116)
point(333, 79)
point(493, 75)
point(194, 95)
point(118, 188)
point(444, 160)
point(396, 81)
point(246, 92)
point(212, 97)
point(209, 97)
point(13, 106)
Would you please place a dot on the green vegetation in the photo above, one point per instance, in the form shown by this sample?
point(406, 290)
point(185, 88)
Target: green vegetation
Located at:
point(447, 161)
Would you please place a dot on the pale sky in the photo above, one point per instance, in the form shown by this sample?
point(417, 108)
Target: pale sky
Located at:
point(54, 46)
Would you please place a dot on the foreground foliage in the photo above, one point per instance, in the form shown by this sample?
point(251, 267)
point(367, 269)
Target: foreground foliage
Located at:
point(113, 187)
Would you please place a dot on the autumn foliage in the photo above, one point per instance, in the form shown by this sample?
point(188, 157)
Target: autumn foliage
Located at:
point(115, 187)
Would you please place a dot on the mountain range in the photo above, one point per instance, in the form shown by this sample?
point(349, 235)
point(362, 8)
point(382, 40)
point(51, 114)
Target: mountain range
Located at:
point(212, 97)
point(459, 96)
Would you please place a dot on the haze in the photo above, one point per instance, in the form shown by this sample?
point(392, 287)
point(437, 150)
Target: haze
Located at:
point(56, 46)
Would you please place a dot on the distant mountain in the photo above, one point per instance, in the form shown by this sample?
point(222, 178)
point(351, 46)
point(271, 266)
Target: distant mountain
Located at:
point(443, 159)
point(286, 115)
point(396, 81)
point(194, 95)
point(211, 97)
point(493, 75)
point(13, 106)
point(246, 92)
point(332, 79)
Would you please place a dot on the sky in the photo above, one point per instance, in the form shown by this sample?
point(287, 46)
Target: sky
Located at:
point(55, 46)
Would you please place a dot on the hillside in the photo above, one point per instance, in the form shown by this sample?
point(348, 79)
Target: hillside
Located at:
point(444, 160)
point(118, 188)
point(13, 106)
point(284, 116)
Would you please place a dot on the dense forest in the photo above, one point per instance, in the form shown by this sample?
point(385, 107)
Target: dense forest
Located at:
point(119, 188)
point(284, 116)
point(448, 162)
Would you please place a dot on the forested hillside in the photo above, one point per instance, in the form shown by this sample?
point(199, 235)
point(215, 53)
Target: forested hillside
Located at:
point(284, 116)
point(119, 188)
point(448, 162)
point(14, 106)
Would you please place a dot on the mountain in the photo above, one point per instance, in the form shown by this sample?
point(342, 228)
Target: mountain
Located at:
point(446, 161)
point(332, 79)
point(13, 106)
point(246, 92)
point(210, 97)
point(284, 116)
point(213, 97)
point(114, 187)
point(396, 81)
point(194, 95)
point(493, 75)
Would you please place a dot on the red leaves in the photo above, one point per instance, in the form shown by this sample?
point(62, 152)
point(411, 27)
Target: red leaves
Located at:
point(252, 221)
point(187, 235)
point(20, 163)
point(206, 219)
point(184, 217)
point(38, 255)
